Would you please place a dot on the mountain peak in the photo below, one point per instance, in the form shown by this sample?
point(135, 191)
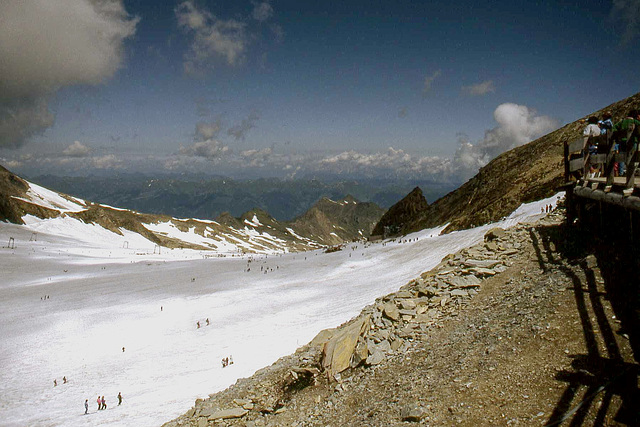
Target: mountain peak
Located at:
point(394, 220)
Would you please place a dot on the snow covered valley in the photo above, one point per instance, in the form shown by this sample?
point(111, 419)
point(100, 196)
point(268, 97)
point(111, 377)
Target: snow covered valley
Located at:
point(112, 319)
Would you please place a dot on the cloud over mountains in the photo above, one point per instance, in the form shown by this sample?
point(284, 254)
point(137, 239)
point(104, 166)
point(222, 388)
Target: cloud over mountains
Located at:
point(517, 125)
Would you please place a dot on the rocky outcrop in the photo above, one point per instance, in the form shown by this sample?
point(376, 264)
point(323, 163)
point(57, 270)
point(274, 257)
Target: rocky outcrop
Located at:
point(332, 222)
point(395, 219)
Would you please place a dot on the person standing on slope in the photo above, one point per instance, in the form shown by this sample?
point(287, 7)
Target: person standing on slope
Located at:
point(119, 398)
point(86, 406)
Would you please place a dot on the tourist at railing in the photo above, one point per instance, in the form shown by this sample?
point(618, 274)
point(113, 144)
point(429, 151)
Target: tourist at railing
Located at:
point(605, 124)
point(621, 130)
point(592, 129)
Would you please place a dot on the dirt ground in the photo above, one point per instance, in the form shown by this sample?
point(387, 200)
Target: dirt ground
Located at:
point(549, 341)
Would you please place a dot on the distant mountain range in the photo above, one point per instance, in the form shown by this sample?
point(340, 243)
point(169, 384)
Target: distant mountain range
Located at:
point(328, 222)
point(206, 197)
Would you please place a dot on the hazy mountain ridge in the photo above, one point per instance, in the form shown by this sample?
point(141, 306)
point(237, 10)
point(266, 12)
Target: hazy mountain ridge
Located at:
point(208, 197)
point(254, 231)
point(529, 172)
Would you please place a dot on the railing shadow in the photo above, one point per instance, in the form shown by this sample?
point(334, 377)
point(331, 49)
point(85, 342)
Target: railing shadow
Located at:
point(602, 371)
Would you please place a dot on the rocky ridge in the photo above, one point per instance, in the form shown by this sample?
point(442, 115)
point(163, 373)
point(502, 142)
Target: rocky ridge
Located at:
point(480, 339)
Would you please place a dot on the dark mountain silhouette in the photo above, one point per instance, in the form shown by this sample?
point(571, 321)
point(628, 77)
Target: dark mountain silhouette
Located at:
point(401, 213)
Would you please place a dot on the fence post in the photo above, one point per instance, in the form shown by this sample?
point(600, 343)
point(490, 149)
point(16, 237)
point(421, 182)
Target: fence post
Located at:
point(568, 186)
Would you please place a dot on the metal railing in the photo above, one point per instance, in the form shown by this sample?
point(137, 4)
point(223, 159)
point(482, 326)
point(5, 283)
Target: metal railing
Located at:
point(595, 162)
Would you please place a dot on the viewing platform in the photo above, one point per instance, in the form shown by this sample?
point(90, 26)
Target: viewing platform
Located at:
point(601, 179)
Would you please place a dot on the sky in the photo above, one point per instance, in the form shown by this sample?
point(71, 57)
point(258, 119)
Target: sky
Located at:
point(402, 89)
point(104, 295)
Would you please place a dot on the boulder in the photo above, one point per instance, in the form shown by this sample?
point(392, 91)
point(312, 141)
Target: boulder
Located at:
point(390, 310)
point(408, 304)
point(411, 414)
point(427, 291)
point(494, 234)
point(227, 414)
point(337, 352)
point(384, 346)
point(376, 357)
point(459, 293)
point(396, 344)
point(359, 355)
point(481, 271)
point(403, 294)
point(492, 246)
point(409, 313)
point(482, 263)
point(464, 281)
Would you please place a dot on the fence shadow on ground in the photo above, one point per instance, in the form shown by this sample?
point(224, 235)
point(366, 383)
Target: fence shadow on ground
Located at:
point(601, 381)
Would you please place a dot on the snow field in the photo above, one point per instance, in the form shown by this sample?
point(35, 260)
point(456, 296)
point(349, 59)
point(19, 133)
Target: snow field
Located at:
point(109, 298)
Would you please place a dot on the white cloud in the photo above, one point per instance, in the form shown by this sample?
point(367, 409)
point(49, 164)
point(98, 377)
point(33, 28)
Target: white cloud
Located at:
point(210, 149)
point(428, 81)
point(10, 164)
point(213, 38)
point(77, 149)
point(206, 131)
point(517, 125)
point(627, 11)
point(257, 158)
point(48, 44)
point(240, 130)
point(392, 161)
point(262, 11)
point(109, 161)
point(480, 88)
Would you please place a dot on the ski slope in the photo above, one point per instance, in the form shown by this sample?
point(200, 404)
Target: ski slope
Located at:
point(103, 297)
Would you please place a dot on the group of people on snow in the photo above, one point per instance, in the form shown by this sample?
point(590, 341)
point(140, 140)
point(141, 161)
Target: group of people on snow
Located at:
point(198, 323)
point(102, 403)
point(55, 381)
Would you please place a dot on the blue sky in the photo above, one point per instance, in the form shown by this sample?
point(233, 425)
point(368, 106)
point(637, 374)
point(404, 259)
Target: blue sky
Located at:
point(282, 88)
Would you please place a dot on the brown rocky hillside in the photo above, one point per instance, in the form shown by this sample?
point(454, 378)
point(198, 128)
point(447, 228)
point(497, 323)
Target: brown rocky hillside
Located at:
point(523, 174)
point(332, 222)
